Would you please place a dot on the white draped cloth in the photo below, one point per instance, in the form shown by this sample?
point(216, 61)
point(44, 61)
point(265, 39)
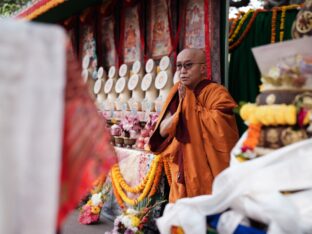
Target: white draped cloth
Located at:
point(32, 79)
point(252, 189)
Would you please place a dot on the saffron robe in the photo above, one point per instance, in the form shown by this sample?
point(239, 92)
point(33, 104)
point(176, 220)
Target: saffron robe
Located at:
point(200, 139)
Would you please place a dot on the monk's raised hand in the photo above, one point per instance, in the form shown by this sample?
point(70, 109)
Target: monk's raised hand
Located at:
point(182, 91)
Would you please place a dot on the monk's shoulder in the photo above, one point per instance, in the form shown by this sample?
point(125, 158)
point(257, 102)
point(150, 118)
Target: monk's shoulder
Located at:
point(215, 89)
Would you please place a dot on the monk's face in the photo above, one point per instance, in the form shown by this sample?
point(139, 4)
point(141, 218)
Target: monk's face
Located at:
point(191, 67)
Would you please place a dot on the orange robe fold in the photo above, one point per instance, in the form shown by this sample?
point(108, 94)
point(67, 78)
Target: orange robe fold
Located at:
point(211, 132)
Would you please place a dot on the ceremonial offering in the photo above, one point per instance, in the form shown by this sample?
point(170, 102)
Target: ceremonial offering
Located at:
point(151, 92)
point(101, 73)
point(137, 68)
point(112, 74)
point(161, 80)
point(176, 77)
point(85, 62)
point(111, 95)
point(150, 66)
point(123, 70)
point(282, 114)
point(165, 63)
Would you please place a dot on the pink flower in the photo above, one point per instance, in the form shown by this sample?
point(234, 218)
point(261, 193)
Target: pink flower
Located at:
point(86, 217)
point(245, 149)
point(301, 116)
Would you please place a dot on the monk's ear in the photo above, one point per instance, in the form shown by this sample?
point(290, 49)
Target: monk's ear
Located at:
point(203, 69)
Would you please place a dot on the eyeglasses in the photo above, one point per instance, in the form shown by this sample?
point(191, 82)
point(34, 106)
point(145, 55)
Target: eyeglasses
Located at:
point(186, 66)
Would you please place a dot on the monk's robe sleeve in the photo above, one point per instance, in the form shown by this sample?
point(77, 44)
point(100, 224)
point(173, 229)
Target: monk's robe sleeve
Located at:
point(158, 143)
point(214, 106)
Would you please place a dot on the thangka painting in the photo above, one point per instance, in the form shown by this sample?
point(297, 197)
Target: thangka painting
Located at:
point(109, 54)
point(159, 29)
point(87, 38)
point(194, 24)
point(132, 42)
point(88, 41)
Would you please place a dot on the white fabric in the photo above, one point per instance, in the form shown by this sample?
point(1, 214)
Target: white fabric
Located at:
point(252, 189)
point(32, 77)
point(228, 221)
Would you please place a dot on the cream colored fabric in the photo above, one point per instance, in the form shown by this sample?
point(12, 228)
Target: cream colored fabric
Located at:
point(32, 78)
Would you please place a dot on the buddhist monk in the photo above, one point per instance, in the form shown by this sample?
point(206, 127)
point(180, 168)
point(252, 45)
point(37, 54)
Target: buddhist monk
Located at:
point(196, 129)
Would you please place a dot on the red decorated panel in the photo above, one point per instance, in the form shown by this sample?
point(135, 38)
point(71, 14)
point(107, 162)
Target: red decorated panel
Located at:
point(131, 38)
point(194, 24)
point(160, 43)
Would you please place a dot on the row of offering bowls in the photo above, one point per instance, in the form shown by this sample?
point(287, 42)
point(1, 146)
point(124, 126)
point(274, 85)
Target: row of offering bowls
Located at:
point(123, 141)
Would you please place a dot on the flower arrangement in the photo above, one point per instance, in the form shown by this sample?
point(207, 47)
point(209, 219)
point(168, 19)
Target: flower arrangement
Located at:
point(90, 212)
point(132, 221)
point(142, 141)
point(130, 125)
point(146, 188)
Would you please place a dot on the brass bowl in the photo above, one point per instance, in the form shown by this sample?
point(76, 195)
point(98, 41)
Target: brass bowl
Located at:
point(119, 141)
point(129, 142)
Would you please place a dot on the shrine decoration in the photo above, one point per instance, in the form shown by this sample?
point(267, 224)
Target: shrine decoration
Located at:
point(107, 24)
point(38, 8)
point(131, 43)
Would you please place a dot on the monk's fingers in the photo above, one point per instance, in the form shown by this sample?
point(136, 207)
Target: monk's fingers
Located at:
point(181, 91)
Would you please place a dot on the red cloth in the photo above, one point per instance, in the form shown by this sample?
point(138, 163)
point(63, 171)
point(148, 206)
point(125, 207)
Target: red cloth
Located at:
point(87, 152)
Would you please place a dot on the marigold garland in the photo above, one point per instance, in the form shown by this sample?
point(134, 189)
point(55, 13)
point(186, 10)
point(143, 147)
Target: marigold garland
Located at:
point(98, 184)
point(124, 184)
point(282, 25)
point(273, 25)
point(117, 196)
point(253, 137)
point(234, 23)
point(246, 30)
point(234, 44)
point(151, 178)
point(176, 230)
point(157, 179)
point(42, 9)
point(240, 24)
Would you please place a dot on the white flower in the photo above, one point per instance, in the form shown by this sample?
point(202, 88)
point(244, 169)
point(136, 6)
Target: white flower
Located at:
point(132, 211)
point(134, 229)
point(274, 72)
point(250, 154)
point(117, 220)
point(126, 221)
point(96, 199)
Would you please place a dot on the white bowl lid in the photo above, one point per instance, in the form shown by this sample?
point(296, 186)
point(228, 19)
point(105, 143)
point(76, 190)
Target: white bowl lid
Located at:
point(112, 72)
point(136, 67)
point(108, 86)
point(85, 75)
point(161, 80)
point(123, 70)
point(133, 82)
point(120, 85)
point(176, 77)
point(146, 82)
point(97, 86)
point(85, 62)
point(150, 65)
point(100, 73)
point(164, 63)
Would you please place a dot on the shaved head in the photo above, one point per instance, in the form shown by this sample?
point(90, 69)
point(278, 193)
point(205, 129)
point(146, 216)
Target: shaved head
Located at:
point(191, 65)
point(198, 54)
